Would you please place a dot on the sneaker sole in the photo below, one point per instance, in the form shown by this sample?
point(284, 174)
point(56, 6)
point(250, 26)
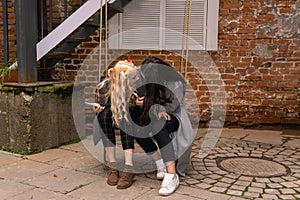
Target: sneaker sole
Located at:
point(121, 188)
point(167, 194)
point(125, 187)
point(112, 184)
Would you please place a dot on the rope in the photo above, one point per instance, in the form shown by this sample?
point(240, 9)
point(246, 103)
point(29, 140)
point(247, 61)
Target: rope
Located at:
point(186, 34)
point(100, 38)
point(106, 36)
point(100, 49)
point(100, 43)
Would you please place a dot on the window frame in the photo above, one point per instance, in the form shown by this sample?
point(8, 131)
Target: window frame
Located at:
point(210, 42)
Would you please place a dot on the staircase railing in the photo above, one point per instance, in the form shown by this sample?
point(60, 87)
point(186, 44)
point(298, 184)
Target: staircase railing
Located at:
point(69, 25)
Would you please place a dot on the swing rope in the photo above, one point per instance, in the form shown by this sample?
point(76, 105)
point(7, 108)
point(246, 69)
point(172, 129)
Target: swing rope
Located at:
point(100, 38)
point(186, 34)
point(100, 42)
point(106, 35)
point(100, 50)
point(183, 37)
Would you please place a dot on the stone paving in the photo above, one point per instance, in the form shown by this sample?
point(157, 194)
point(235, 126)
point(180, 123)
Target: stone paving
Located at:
point(244, 164)
point(272, 171)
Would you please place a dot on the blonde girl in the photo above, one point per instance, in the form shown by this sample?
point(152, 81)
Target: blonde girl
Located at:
point(112, 95)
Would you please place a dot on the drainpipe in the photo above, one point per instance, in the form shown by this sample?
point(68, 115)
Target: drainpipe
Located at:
point(5, 33)
point(27, 37)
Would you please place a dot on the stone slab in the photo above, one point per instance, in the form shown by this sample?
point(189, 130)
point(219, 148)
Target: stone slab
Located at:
point(64, 181)
point(41, 194)
point(67, 159)
point(8, 158)
point(76, 160)
point(295, 143)
point(237, 133)
point(100, 190)
point(24, 170)
point(8, 189)
point(264, 136)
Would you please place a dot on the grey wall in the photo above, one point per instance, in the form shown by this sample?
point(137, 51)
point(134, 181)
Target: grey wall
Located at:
point(36, 118)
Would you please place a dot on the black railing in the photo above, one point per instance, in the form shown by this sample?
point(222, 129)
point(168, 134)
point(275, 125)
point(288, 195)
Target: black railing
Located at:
point(45, 22)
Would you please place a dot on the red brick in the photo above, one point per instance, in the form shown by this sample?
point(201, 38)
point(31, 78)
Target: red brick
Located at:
point(286, 84)
point(294, 71)
point(292, 77)
point(285, 10)
point(234, 11)
point(282, 64)
point(265, 17)
point(232, 5)
point(285, 3)
point(251, 4)
point(246, 30)
point(272, 78)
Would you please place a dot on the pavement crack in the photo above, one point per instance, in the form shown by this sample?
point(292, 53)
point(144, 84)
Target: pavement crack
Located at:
point(78, 187)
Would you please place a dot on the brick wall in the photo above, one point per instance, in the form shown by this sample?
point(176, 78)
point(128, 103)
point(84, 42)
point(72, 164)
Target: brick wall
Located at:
point(11, 32)
point(258, 60)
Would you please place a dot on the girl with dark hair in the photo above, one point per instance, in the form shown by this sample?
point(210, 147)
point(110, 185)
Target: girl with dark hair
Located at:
point(164, 120)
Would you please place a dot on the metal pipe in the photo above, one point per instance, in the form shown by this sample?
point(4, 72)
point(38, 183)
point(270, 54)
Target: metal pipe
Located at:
point(65, 9)
point(5, 32)
point(51, 15)
point(42, 19)
point(27, 37)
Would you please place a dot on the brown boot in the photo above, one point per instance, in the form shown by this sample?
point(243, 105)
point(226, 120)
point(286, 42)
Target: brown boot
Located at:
point(126, 179)
point(113, 175)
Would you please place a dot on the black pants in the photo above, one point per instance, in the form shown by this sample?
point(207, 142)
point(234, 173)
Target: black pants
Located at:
point(163, 138)
point(109, 137)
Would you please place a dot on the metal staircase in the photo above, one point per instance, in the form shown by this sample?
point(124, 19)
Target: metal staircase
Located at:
point(65, 47)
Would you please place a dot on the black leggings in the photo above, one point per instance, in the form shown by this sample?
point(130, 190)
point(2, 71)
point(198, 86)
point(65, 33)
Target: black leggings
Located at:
point(163, 139)
point(109, 137)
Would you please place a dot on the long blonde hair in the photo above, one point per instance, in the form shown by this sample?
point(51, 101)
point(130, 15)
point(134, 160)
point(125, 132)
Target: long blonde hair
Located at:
point(120, 90)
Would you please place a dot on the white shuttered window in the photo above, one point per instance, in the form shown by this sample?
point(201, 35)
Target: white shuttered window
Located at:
point(159, 24)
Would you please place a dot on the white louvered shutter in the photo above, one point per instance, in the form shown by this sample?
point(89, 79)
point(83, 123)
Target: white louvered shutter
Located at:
point(158, 24)
point(175, 13)
point(139, 25)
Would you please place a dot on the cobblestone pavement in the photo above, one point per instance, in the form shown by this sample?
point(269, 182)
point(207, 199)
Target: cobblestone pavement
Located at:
point(249, 164)
point(244, 164)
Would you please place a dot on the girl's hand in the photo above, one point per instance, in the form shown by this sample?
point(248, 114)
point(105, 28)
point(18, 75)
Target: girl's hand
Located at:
point(98, 108)
point(139, 101)
point(109, 71)
point(163, 114)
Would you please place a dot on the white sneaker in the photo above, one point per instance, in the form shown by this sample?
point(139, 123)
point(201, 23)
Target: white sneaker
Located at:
point(161, 173)
point(169, 184)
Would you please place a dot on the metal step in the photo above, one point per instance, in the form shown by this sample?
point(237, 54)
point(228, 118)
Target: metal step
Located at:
point(80, 35)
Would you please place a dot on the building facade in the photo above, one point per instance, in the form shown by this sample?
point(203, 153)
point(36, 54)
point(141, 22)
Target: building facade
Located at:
point(257, 61)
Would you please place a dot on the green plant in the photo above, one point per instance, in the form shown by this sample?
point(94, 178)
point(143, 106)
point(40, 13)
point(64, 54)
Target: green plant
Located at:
point(6, 71)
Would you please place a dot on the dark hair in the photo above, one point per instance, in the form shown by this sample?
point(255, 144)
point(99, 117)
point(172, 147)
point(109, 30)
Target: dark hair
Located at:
point(157, 70)
point(156, 73)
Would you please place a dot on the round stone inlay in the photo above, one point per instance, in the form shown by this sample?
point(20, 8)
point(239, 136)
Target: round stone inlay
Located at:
point(255, 167)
